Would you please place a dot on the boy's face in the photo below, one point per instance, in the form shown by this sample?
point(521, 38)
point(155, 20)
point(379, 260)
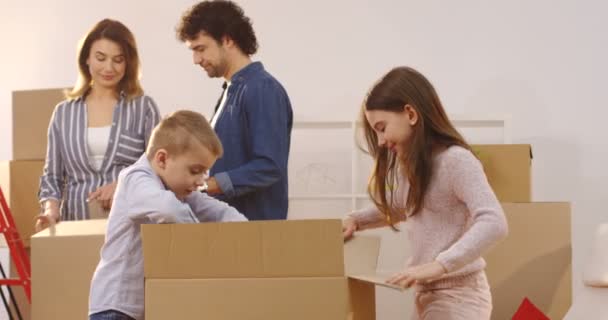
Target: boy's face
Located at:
point(185, 172)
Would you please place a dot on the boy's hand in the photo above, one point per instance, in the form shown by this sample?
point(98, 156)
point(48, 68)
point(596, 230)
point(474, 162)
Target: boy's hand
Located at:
point(349, 226)
point(417, 274)
point(104, 194)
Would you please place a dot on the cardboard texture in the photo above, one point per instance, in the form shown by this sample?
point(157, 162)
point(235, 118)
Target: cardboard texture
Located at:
point(19, 181)
point(308, 298)
point(73, 253)
point(268, 269)
point(243, 250)
point(32, 111)
point(62, 268)
point(534, 261)
point(508, 168)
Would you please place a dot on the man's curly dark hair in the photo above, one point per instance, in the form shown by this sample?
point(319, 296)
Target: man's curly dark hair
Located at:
point(218, 18)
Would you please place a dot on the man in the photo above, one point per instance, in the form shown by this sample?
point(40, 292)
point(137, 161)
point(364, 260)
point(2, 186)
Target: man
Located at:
point(253, 117)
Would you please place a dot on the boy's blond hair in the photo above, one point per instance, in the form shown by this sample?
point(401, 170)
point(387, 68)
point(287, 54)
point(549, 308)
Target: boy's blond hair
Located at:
point(175, 133)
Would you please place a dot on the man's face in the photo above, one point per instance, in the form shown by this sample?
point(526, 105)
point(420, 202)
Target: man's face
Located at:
point(209, 54)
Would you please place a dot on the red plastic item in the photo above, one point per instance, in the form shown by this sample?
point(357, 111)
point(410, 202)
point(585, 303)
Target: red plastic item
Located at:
point(528, 311)
point(17, 250)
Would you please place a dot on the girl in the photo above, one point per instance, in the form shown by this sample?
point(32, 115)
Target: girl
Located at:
point(426, 175)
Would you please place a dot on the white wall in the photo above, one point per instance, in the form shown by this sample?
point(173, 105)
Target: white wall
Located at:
point(544, 62)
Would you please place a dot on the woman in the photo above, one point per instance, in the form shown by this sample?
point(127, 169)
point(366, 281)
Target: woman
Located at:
point(102, 127)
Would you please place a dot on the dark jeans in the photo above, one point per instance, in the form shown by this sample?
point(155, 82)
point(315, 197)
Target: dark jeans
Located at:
point(110, 315)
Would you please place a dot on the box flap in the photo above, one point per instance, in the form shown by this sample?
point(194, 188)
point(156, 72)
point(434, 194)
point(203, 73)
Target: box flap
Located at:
point(361, 254)
point(75, 228)
point(378, 279)
point(254, 249)
point(361, 261)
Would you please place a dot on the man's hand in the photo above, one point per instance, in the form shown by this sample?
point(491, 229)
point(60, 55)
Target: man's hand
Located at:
point(104, 194)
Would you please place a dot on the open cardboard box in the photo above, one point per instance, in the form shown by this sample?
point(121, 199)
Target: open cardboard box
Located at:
point(297, 269)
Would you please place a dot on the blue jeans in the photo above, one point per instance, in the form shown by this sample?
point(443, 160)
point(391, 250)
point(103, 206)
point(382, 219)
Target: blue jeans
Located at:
point(110, 315)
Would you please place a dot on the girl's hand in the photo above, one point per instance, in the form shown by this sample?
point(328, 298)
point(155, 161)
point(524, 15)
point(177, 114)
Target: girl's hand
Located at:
point(418, 274)
point(349, 226)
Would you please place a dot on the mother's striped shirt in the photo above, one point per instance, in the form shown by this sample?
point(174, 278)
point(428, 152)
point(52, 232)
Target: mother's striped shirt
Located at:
point(68, 174)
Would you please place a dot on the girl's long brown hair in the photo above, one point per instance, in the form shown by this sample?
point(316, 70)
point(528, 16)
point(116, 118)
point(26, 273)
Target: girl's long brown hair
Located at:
point(432, 132)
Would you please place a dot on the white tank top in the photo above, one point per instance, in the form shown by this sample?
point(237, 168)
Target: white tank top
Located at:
point(98, 138)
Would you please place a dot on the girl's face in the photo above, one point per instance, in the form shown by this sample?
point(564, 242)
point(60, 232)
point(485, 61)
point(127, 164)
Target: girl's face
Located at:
point(107, 63)
point(393, 129)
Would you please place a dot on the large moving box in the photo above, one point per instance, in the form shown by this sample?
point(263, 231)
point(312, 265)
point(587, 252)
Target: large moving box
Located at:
point(32, 110)
point(534, 261)
point(62, 268)
point(508, 168)
point(259, 270)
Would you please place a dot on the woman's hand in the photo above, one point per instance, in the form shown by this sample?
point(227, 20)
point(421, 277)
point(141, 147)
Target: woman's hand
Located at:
point(104, 194)
point(48, 218)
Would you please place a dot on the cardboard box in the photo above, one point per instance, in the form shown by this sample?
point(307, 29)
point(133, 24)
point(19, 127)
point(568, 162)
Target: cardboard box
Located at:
point(261, 269)
point(323, 298)
point(20, 181)
point(62, 267)
point(534, 261)
point(32, 110)
point(508, 168)
point(74, 253)
point(243, 250)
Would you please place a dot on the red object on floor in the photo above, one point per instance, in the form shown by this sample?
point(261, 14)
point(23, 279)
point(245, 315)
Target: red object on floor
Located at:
point(528, 311)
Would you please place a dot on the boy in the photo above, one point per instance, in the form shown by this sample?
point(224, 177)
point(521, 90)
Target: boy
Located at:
point(161, 187)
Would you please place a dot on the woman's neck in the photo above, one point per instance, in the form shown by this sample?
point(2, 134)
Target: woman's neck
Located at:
point(101, 93)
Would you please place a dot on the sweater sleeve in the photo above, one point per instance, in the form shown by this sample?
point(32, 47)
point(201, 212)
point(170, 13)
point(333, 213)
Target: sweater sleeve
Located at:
point(470, 185)
point(371, 217)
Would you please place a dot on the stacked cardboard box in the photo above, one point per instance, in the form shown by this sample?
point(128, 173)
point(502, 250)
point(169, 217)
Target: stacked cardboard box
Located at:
point(19, 178)
point(508, 168)
point(535, 259)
